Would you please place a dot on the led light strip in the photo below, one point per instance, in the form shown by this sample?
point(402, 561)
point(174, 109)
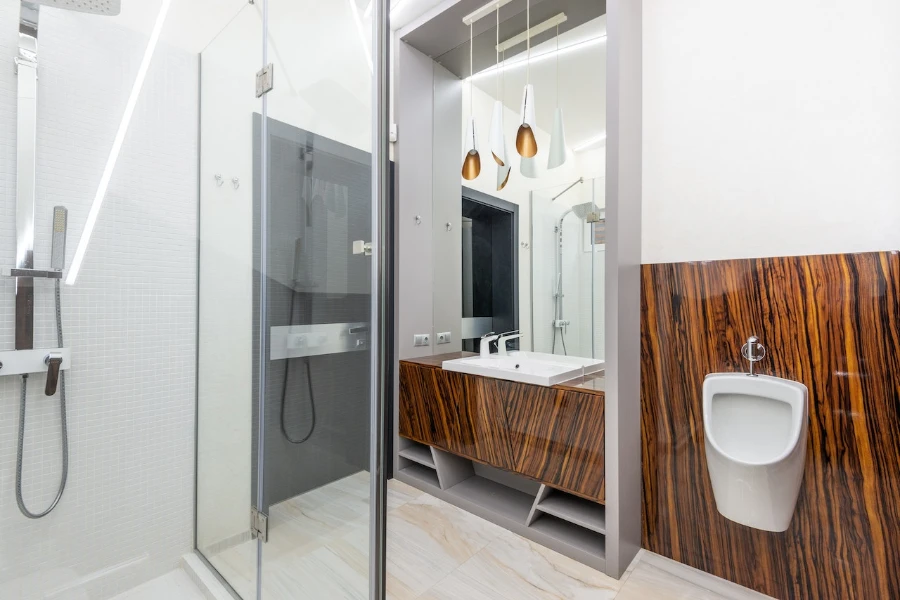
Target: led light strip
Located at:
point(484, 11)
point(117, 144)
point(533, 32)
point(362, 35)
point(590, 143)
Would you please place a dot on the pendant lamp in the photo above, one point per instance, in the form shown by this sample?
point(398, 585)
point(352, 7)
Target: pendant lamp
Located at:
point(471, 167)
point(526, 144)
point(558, 135)
point(528, 167)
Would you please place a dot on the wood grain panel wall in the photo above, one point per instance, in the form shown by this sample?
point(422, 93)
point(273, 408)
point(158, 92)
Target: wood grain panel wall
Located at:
point(830, 322)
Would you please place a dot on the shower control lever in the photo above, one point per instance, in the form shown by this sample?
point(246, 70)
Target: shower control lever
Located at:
point(53, 362)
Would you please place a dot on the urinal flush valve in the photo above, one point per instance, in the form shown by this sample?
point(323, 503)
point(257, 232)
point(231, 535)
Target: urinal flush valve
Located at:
point(754, 352)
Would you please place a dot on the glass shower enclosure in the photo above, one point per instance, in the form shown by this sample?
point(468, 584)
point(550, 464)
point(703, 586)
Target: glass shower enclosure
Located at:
point(192, 258)
point(568, 239)
point(289, 313)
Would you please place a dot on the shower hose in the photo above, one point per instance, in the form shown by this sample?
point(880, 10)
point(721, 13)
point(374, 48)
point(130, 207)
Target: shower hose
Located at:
point(312, 400)
point(65, 433)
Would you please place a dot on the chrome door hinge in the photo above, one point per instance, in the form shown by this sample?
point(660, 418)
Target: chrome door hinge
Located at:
point(265, 80)
point(259, 524)
point(362, 247)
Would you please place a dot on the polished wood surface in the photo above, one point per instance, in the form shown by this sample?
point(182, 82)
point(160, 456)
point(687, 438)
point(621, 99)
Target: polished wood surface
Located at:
point(594, 383)
point(556, 437)
point(454, 412)
point(552, 435)
point(830, 322)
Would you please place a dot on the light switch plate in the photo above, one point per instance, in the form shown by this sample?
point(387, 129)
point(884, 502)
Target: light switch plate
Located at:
point(443, 338)
point(421, 339)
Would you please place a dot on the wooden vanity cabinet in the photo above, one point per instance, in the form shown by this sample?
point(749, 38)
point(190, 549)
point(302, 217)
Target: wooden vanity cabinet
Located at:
point(554, 435)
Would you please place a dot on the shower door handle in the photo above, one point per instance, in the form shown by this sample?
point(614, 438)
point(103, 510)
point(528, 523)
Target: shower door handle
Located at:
point(53, 362)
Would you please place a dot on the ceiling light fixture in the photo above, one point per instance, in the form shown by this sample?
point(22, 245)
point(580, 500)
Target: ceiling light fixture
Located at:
point(526, 144)
point(542, 57)
point(472, 162)
point(102, 188)
point(594, 141)
point(362, 34)
point(558, 136)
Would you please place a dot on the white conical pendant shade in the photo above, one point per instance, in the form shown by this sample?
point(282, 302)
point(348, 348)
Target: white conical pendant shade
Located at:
point(529, 167)
point(498, 143)
point(503, 176)
point(526, 143)
point(557, 141)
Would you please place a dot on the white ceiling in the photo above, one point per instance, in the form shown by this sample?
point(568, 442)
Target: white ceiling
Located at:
point(582, 81)
point(192, 24)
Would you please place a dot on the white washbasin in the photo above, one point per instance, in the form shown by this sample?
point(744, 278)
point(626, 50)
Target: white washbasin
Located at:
point(526, 367)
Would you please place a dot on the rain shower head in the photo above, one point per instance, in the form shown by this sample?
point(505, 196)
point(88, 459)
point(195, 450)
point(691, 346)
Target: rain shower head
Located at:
point(584, 210)
point(108, 8)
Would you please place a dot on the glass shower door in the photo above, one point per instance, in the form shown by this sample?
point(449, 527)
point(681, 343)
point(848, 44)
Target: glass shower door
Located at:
point(294, 473)
point(313, 224)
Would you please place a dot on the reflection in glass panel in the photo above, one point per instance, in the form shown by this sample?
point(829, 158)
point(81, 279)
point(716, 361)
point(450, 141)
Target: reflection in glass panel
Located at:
point(568, 246)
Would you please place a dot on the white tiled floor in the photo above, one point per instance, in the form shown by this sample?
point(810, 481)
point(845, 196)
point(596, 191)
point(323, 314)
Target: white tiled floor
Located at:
point(318, 543)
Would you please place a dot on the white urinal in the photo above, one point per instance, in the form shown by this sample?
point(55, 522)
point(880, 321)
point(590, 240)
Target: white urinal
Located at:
point(755, 429)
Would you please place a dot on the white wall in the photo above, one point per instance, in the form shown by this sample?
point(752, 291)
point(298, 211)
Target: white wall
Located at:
point(322, 85)
point(130, 319)
point(772, 131)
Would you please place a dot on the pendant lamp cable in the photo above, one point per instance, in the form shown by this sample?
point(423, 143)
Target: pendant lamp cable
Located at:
point(497, 48)
point(557, 65)
point(471, 81)
point(528, 41)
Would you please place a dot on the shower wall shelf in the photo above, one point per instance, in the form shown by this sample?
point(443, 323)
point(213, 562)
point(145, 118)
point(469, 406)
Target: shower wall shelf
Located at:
point(19, 362)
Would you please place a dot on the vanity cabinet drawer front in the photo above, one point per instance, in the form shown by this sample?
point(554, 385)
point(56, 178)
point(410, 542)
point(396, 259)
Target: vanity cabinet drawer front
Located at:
point(453, 411)
point(424, 413)
point(557, 437)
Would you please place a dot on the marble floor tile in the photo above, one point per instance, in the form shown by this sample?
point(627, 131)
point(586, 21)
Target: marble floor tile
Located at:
point(318, 549)
point(514, 568)
point(647, 582)
point(175, 585)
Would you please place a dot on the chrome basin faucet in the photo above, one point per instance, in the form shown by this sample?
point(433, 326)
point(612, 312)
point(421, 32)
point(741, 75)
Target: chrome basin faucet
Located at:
point(506, 337)
point(486, 341)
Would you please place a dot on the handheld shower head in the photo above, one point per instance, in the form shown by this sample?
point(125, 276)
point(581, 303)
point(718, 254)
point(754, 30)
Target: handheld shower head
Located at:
point(58, 244)
point(108, 8)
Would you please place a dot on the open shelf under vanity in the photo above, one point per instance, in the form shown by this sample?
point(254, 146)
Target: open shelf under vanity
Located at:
point(564, 522)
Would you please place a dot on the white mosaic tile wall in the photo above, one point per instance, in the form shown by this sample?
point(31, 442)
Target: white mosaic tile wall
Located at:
point(127, 514)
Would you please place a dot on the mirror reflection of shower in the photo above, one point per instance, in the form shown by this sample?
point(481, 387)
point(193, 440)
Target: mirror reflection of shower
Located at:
point(567, 236)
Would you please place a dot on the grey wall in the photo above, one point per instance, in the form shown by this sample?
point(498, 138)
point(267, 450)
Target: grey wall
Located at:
point(428, 151)
point(319, 194)
point(623, 285)
point(414, 91)
point(447, 207)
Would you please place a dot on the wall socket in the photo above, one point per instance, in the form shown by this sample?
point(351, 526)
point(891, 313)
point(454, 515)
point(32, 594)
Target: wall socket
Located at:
point(421, 339)
point(443, 338)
